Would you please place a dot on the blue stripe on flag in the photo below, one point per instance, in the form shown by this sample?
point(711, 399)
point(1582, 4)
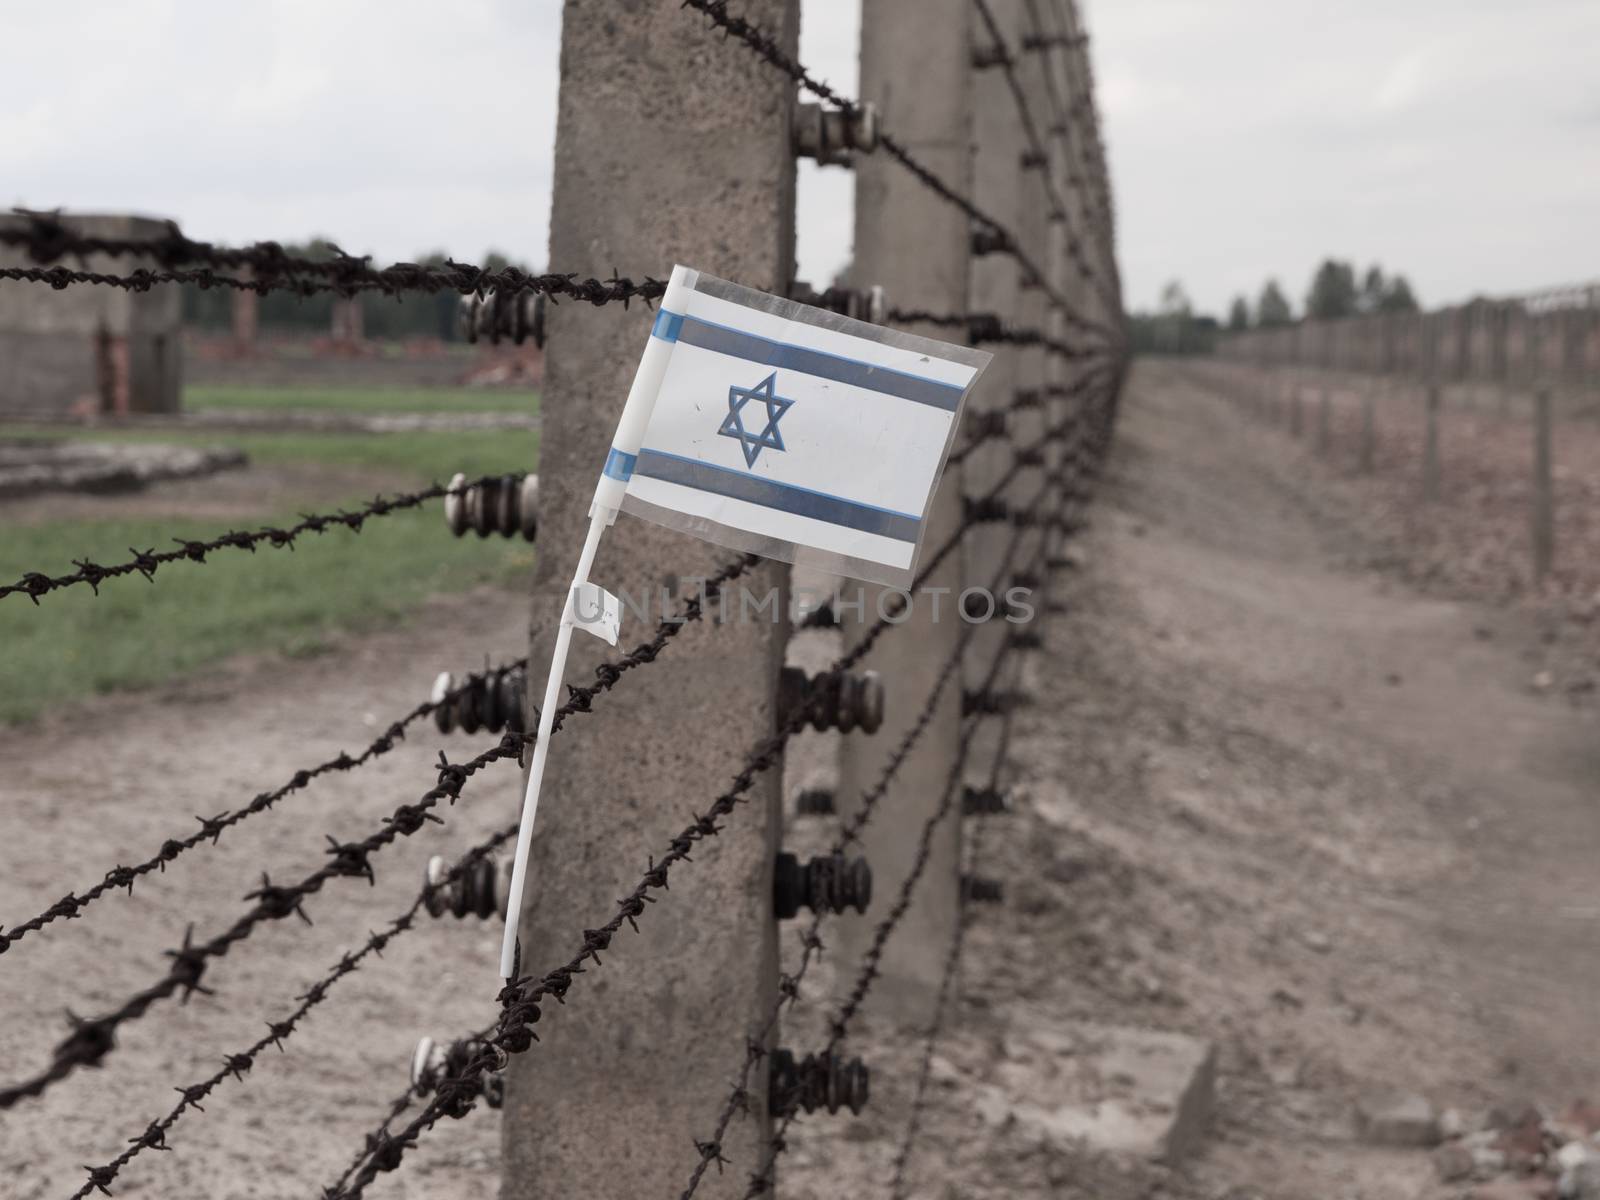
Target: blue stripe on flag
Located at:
point(667, 325)
point(785, 497)
point(708, 335)
point(619, 465)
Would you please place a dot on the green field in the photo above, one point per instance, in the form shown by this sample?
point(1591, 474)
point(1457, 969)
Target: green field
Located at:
point(361, 400)
point(273, 601)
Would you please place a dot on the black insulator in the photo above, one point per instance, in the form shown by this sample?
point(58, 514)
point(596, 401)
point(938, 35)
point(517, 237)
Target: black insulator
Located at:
point(832, 700)
point(814, 802)
point(983, 802)
point(829, 883)
point(986, 508)
point(816, 1081)
point(979, 890)
point(989, 703)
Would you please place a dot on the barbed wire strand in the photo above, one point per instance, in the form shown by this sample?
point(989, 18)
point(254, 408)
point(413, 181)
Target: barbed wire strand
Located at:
point(761, 1181)
point(236, 1065)
point(211, 829)
point(709, 1150)
point(1060, 209)
point(1081, 110)
point(948, 981)
point(92, 1039)
point(35, 584)
point(766, 48)
point(46, 237)
point(1065, 115)
point(513, 1032)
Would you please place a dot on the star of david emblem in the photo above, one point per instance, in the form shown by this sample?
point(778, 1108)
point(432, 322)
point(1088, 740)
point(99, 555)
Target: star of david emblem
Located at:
point(733, 424)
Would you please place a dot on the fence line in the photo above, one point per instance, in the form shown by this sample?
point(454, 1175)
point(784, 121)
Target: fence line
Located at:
point(1056, 423)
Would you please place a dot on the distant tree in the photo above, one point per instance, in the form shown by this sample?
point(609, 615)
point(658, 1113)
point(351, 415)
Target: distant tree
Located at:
point(1176, 313)
point(1175, 301)
point(1239, 314)
point(1398, 297)
point(1272, 308)
point(1333, 291)
point(1373, 286)
point(1173, 328)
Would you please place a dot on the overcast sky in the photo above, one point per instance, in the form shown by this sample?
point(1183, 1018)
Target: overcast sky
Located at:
point(1455, 140)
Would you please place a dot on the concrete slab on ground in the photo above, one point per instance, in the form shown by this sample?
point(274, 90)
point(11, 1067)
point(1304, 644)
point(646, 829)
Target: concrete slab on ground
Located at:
point(1140, 1092)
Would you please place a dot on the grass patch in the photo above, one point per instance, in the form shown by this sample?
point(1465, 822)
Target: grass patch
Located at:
point(274, 601)
point(361, 399)
point(297, 602)
point(422, 457)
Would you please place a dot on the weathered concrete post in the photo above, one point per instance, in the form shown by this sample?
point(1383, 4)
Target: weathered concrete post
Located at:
point(245, 313)
point(1368, 423)
point(1324, 420)
point(1003, 188)
point(1544, 520)
point(671, 145)
point(1430, 445)
point(915, 58)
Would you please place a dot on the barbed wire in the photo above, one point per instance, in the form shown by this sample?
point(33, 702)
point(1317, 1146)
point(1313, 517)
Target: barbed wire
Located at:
point(1080, 109)
point(691, 609)
point(989, 328)
point(709, 1149)
point(237, 1064)
point(950, 973)
point(513, 1033)
point(269, 268)
point(1061, 210)
point(35, 584)
point(761, 1181)
point(211, 829)
point(91, 1040)
point(766, 48)
point(1097, 203)
point(46, 237)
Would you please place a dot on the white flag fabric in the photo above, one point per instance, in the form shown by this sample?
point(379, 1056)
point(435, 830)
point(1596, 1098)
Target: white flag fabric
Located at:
point(789, 431)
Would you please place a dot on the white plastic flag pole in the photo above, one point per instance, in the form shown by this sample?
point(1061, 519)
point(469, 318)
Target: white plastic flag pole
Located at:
point(602, 512)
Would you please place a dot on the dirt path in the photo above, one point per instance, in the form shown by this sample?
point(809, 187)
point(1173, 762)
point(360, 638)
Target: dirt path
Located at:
point(1265, 798)
point(1275, 801)
point(105, 783)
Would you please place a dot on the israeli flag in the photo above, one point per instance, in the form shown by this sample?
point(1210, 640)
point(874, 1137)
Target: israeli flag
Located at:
point(795, 433)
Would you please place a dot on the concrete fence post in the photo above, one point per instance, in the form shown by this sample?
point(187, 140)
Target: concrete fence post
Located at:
point(1325, 420)
point(1430, 444)
point(915, 64)
point(1296, 390)
point(1544, 531)
point(672, 145)
point(245, 314)
point(1368, 424)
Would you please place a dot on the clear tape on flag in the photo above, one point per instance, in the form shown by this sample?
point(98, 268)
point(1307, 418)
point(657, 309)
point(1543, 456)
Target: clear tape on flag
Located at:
point(788, 431)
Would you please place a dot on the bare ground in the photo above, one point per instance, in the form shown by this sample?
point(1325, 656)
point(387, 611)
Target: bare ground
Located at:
point(1267, 797)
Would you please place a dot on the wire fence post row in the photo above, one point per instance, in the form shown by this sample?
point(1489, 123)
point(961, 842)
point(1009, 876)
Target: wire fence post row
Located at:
point(915, 65)
point(671, 146)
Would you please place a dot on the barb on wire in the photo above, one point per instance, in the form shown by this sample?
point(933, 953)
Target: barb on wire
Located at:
point(91, 1040)
point(513, 1032)
point(951, 971)
point(989, 328)
point(1081, 110)
point(766, 48)
point(761, 1181)
point(267, 267)
point(709, 1150)
point(35, 584)
point(236, 1065)
point(1060, 210)
point(211, 829)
